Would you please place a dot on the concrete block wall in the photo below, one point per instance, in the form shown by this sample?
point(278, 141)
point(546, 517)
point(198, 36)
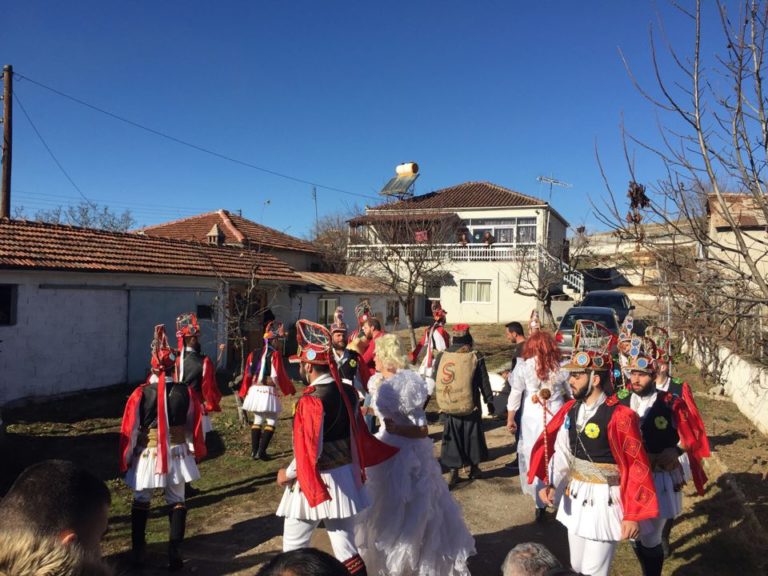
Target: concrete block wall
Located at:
point(745, 383)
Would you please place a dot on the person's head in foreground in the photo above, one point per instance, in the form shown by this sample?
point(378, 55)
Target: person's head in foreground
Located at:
point(304, 562)
point(389, 354)
point(533, 559)
point(58, 499)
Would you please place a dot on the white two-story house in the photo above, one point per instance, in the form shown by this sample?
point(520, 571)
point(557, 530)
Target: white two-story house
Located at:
point(496, 247)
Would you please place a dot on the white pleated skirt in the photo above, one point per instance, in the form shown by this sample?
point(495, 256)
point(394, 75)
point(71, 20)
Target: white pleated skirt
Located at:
point(206, 422)
point(262, 399)
point(182, 468)
point(670, 500)
point(347, 498)
point(592, 511)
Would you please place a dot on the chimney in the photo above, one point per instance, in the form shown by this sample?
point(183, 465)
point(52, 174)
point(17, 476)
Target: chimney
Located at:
point(215, 236)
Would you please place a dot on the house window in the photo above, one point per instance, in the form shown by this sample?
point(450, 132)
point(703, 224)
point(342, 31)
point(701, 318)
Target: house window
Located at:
point(393, 311)
point(476, 291)
point(204, 312)
point(8, 304)
point(325, 309)
point(526, 230)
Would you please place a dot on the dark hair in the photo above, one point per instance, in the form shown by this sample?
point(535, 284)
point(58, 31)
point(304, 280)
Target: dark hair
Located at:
point(52, 496)
point(516, 327)
point(303, 562)
point(374, 323)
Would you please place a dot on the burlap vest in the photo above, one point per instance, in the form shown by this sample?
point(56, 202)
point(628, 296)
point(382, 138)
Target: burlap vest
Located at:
point(453, 384)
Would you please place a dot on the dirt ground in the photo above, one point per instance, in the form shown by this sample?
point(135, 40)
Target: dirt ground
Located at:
point(232, 528)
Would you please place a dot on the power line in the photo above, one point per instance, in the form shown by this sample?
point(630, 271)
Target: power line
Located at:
point(48, 148)
point(189, 144)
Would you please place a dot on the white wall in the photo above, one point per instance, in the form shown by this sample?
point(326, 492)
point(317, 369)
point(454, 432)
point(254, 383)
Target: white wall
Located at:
point(307, 302)
point(745, 383)
point(63, 340)
point(76, 331)
point(505, 305)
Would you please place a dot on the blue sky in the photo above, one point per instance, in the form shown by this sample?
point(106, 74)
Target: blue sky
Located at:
point(330, 92)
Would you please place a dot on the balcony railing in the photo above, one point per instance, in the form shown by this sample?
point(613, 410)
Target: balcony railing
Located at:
point(453, 252)
point(498, 252)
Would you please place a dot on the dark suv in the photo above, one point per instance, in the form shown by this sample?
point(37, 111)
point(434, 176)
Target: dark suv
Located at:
point(609, 299)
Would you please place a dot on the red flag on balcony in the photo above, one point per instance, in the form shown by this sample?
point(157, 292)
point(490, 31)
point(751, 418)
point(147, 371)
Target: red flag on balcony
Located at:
point(421, 235)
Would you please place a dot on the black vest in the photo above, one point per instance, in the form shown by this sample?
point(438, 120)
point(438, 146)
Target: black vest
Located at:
point(349, 364)
point(675, 387)
point(176, 402)
point(255, 366)
point(336, 417)
point(193, 370)
point(658, 425)
point(592, 442)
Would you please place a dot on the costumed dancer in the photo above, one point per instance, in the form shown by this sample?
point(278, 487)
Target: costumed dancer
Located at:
point(667, 432)
point(160, 439)
point(677, 387)
point(263, 374)
point(591, 458)
point(413, 527)
point(460, 379)
point(195, 369)
point(540, 380)
point(338, 335)
point(332, 447)
point(436, 339)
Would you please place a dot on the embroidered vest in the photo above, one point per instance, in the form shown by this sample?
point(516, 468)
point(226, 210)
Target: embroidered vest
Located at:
point(657, 426)
point(591, 443)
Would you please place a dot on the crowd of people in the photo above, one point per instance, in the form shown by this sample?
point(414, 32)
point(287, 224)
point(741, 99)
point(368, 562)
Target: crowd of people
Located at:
point(609, 448)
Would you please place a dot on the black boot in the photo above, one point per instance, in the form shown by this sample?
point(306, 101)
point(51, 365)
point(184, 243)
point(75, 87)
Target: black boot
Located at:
point(665, 536)
point(139, 515)
point(474, 472)
point(266, 438)
point(651, 559)
point(178, 522)
point(454, 478)
point(255, 441)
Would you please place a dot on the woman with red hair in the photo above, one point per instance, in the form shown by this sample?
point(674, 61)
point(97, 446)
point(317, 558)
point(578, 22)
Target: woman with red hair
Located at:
point(542, 385)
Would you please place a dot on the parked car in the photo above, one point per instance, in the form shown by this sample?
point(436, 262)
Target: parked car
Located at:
point(605, 316)
point(609, 299)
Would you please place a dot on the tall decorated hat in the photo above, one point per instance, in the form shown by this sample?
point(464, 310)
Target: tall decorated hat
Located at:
point(338, 321)
point(363, 312)
point(591, 347)
point(274, 329)
point(642, 355)
point(660, 338)
point(314, 343)
point(162, 354)
point(437, 311)
point(625, 331)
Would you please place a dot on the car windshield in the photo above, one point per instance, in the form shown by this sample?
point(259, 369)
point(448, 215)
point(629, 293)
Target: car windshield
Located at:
point(607, 320)
point(604, 300)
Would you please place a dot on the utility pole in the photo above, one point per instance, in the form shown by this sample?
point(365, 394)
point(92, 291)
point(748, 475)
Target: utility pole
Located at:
point(5, 203)
point(314, 197)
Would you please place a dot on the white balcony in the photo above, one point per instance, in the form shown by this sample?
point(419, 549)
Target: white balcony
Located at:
point(498, 252)
point(452, 252)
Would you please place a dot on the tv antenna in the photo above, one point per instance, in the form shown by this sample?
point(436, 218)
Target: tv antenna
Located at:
point(553, 182)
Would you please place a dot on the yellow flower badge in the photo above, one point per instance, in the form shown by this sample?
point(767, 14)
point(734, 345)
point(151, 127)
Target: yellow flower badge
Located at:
point(592, 430)
point(353, 364)
point(661, 423)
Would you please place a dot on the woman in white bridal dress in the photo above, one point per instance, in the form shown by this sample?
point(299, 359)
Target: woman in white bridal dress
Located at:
point(413, 527)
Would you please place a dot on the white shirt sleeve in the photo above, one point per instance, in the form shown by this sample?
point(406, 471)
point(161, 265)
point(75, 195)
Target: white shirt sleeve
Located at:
point(290, 471)
point(559, 471)
point(516, 381)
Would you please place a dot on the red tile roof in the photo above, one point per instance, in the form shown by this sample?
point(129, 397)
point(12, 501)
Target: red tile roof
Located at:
point(38, 246)
point(466, 195)
point(235, 229)
point(344, 283)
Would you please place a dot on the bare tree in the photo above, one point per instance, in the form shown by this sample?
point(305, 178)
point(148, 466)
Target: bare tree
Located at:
point(331, 236)
point(714, 130)
point(86, 215)
point(404, 251)
point(540, 275)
